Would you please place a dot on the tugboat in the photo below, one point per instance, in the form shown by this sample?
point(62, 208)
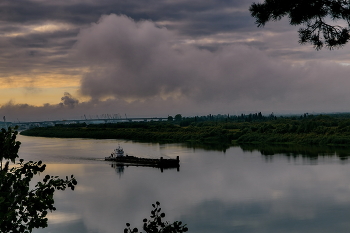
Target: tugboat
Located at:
point(118, 152)
point(118, 156)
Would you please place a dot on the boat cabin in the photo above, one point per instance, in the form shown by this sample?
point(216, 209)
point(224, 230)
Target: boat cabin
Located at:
point(118, 152)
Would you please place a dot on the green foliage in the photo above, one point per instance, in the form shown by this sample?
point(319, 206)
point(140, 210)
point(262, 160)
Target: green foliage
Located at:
point(142, 131)
point(170, 118)
point(8, 145)
point(219, 130)
point(157, 225)
point(313, 14)
point(178, 117)
point(21, 208)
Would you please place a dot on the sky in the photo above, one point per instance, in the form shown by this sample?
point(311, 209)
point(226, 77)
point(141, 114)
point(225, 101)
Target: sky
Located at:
point(154, 58)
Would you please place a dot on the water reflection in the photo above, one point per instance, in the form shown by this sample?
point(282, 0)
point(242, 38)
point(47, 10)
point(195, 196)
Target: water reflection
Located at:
point(232, 190)
point(208, 146)
point(295, 151)
point(217, 146)
point(120, 167)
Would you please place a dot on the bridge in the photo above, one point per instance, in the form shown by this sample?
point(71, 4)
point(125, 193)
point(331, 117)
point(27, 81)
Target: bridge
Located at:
point(30, 124)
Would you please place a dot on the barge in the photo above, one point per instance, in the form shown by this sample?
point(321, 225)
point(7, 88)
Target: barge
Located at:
point(118, 156)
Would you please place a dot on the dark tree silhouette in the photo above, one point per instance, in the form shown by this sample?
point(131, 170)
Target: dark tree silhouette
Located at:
point(23, 208)
point(313, 15)
point(157, 225)
point(178, 117)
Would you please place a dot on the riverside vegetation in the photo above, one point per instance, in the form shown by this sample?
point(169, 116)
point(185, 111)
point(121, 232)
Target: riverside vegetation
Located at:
point(306, 129)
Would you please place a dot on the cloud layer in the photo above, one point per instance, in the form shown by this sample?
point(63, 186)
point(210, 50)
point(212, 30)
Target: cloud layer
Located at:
point(132, 60)
point(159, 58)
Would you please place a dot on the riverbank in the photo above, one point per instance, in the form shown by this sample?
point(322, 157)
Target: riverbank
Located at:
point(150, 131)
point(310, 130)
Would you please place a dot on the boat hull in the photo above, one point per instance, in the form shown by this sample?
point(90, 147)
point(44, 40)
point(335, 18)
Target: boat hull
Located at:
point(146, 161)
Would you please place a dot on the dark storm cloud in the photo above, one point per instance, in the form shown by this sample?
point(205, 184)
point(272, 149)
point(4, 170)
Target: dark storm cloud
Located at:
point(138, 60)
point(196, 19)
point(189, 18)
point(208, 23)
point(37, 11)
point(154, 56)
point(40, 50)
point(68, 100)
point(202, 14)
point(60, 38)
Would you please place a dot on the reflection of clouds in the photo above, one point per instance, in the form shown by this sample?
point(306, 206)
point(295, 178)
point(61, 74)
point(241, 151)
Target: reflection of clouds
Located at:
point(216, 216)
point(268, 194)
point(62, 217)
point(277, 194)
point(213, 192)
point(84, 189)
point(65, 168)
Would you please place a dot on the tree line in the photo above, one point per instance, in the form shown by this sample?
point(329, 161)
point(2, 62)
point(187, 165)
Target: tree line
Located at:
point(309, 129)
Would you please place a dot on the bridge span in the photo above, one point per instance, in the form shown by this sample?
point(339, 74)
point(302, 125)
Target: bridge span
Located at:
point(29, 124)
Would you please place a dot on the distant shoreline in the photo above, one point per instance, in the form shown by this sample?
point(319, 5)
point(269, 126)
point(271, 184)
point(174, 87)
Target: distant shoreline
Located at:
point(311, 130)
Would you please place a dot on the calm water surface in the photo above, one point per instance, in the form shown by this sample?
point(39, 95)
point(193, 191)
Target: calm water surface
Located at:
point(214, 191)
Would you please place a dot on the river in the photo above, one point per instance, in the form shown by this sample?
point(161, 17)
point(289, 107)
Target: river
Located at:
point(234, 190)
